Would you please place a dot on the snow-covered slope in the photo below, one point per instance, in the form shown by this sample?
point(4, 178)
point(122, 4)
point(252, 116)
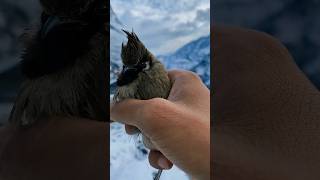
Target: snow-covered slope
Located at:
point(116, 38)
point(195, 56)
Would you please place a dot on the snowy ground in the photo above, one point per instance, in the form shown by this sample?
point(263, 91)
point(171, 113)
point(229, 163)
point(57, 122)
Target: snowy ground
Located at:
point(129, 160)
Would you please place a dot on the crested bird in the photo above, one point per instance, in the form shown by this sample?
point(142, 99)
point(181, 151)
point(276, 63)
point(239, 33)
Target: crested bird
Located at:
point(143, 76)
point(65, 64)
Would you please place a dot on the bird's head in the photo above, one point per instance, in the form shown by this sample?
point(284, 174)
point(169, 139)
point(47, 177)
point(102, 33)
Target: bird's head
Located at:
point(135, 57)
point(134, 51)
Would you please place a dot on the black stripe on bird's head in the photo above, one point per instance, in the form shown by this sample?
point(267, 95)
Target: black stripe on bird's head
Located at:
point(135, 59)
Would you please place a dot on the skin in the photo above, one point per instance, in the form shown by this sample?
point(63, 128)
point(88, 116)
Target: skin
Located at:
point(266, 112)
point(56, 148)
point(181, 135)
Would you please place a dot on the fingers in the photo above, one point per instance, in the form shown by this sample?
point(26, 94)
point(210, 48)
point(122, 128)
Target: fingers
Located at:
point(188, 89)
point(159, 161)
point(179, 76)
point(146, 115)
point(127, 111)
point(148, 144)
point(131, 130)
point(187, 86)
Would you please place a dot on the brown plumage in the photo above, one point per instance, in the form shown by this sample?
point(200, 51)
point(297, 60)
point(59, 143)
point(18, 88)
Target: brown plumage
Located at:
point(65, 64)
point(143, 76)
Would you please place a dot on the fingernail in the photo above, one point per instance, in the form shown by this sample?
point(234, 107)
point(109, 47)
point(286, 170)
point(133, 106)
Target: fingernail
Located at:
point(163, 163)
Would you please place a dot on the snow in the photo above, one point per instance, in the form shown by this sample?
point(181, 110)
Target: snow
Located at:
point(129, 162)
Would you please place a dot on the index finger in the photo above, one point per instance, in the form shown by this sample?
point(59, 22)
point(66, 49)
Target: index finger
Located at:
point(127, 111)
point(187, 86)
point(181, 75)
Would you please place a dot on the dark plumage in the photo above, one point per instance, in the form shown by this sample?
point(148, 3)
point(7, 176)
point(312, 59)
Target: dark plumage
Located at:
point(134, 51)
point(65, 64)
point(58, 50)
point(143, 76)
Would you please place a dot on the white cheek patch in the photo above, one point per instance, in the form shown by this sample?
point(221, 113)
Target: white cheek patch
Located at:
point(147, 66)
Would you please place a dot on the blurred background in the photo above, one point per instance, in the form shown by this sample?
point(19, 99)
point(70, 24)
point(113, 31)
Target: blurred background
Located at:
point(294, 22)
point(15, 16)
point(176, 32)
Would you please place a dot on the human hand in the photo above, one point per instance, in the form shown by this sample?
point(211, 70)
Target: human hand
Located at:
point(266, 114)
point(176, 130)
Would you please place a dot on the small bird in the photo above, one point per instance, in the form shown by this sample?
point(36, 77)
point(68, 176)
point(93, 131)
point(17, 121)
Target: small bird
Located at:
point(143, 76)
point(64, 64)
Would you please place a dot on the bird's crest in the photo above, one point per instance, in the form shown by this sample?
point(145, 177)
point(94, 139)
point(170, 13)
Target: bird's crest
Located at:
point(134, 51)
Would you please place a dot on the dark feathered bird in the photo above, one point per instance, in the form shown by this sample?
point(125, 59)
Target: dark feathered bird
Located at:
point(143, 76)
point(65, 63)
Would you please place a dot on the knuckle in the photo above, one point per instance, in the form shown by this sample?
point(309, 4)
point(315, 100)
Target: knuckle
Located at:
point(194, 76)
point(185, 75)
point(188, 75)
point(156, 103)
point(191, 76)
point(152, 107)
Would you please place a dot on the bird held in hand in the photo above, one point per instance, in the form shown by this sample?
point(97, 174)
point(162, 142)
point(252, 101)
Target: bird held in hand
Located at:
point(143, 76)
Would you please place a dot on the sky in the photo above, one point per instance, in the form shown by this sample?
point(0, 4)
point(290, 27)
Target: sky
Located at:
point(164, 25)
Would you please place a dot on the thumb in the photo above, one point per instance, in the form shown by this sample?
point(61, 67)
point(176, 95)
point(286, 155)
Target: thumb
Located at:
point(126, 111)
point(147, 115)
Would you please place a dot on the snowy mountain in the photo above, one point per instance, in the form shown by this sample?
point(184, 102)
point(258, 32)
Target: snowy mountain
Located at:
point(195, 56)
point(164, 26)
point(116, 38)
